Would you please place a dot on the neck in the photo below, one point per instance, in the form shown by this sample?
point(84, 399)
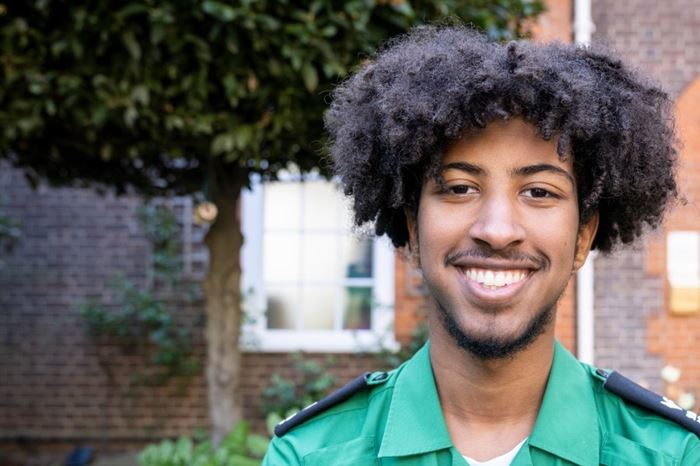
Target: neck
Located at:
point(489, 405)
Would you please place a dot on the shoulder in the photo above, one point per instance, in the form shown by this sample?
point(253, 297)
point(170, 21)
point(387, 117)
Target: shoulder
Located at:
point(640, 425)
point(349, 419)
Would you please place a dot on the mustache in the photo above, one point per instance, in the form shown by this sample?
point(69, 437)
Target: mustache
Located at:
point(484, 252)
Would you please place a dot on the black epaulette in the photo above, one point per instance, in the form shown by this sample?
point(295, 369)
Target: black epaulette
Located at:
point(331, 400)
point(636, 394)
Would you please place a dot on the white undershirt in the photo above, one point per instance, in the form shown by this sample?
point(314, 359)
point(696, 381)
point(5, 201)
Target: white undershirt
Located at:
point(503, 460)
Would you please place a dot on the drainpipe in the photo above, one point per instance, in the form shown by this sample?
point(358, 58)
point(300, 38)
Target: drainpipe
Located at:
point(585, 278)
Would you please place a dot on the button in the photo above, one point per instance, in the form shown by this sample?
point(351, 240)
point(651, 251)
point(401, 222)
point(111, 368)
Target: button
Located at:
point(377, 378)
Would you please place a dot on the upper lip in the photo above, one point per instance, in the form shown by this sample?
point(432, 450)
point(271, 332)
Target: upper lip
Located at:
point(492, 264)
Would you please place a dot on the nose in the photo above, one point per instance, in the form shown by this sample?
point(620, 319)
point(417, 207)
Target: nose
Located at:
point(497, 224)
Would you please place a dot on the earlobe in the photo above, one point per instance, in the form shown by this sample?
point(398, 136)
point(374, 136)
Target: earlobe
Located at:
point(584, 241)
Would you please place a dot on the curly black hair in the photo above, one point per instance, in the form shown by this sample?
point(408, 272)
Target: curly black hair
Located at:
point(391, 122)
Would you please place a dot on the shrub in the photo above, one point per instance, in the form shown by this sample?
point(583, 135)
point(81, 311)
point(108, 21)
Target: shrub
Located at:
point(238, 448)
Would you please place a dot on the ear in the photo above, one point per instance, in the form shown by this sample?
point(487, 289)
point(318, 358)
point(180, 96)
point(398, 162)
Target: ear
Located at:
point(412, 226)
point(584, 240)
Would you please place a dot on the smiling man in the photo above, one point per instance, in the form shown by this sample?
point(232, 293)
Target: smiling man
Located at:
point(497, 168)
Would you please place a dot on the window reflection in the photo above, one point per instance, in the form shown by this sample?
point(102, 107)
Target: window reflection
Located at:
point(281, 302)
point(358, 257)
point(319, 307)
point(358, 308)
point(320, 261)
point(317, 275)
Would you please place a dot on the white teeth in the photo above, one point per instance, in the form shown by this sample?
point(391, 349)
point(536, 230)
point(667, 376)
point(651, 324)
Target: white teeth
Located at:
point(495, 279)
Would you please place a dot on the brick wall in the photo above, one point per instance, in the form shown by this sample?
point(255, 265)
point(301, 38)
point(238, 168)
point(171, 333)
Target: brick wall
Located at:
point(675, 337)
point(634, 332)
point(59, 386)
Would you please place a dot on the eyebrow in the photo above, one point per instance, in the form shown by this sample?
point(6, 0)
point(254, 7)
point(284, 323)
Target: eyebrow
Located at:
point(520, 171)
point(465, 167)
point(543, 167)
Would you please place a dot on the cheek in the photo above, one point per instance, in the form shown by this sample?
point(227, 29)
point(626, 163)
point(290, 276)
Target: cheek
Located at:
point(438, 228)
point(556, 229)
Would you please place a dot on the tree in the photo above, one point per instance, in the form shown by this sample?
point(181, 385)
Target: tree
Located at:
point(164, 97)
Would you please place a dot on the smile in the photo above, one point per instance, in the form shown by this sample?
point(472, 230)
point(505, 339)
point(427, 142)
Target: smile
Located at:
point(494, 285)
point(495, 279)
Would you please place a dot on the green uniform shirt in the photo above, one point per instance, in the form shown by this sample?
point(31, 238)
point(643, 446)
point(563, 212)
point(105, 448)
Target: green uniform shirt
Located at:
point(399, 422)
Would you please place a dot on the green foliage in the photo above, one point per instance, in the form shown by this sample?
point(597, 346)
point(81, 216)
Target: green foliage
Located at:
point(147, 93)
point(162, 230)
point(284, 396)
point(142, 322)
point(238, 448)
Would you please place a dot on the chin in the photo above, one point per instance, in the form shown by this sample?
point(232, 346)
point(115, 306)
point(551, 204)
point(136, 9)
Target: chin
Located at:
point(499, 346)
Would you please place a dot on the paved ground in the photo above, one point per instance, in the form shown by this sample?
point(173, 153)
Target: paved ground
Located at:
point(127, 459)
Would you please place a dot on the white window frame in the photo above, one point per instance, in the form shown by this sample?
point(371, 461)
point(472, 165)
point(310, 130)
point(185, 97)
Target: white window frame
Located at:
point(257, 337)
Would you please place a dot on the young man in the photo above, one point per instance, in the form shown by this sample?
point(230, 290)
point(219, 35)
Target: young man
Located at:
point(498, 168)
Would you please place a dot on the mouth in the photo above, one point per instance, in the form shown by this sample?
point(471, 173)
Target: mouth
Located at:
point(494, 285)
point(495, 279)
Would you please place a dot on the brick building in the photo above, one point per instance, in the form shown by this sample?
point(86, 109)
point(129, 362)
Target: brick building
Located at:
point(59, 388)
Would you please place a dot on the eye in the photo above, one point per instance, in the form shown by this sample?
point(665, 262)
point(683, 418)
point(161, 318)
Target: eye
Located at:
point(539, 193)
point(461, 189)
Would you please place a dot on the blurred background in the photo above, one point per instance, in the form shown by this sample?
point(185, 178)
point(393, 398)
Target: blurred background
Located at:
point(177, 272)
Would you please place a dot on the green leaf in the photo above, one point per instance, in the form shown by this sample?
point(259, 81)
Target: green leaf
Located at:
point(141, 94)
point(132, 45)
point(236, 438)
point(243, 136)
point(130, 116)
point(310, 76)
point(222, 144)
point(271, 422)
point(257, 445)
point(240, 460)
point(131, 9)
point(220, 10)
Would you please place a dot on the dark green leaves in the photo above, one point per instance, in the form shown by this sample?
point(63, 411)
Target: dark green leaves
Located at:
point(86, 89)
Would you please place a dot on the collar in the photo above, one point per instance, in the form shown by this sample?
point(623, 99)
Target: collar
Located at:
point(415, 413)
point(566, 426)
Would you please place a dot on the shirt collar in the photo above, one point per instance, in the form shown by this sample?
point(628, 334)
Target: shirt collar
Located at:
point(415, 413)
point(567, 424)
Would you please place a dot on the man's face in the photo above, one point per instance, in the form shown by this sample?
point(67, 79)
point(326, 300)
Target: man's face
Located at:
point(498, 237)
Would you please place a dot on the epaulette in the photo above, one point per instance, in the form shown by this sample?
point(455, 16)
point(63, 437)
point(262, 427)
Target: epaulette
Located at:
point(636, 394)
point(331, 400)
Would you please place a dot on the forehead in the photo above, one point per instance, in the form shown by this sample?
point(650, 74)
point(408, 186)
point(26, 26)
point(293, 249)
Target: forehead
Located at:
point(506, 144)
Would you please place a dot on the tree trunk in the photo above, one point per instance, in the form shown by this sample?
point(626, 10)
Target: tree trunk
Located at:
point(223, 304)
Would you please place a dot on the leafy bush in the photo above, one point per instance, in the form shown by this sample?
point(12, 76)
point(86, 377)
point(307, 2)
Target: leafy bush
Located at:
point(238, 448)
point(142, 322)
point(283, 396)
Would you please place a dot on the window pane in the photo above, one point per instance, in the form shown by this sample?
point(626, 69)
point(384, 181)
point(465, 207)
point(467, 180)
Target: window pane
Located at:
point(281, 257)
point(282, 205)
point(321, 206)
point(358, 308)
point(320, 261)
point(319, 307)
point(281, 302)
point(357, 257)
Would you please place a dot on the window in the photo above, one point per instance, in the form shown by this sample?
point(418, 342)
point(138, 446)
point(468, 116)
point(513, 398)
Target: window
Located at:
point(310, 282)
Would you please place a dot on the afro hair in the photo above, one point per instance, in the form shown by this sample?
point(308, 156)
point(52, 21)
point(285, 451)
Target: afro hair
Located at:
point(391, 122)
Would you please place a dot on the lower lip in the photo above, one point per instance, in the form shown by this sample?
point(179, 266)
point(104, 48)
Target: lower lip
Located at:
point(493, 295)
